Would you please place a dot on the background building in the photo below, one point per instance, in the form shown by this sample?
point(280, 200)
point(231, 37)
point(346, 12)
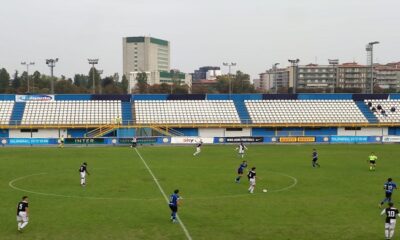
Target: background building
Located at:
point(267, 79)
point(145, 54)
point(316, 77)
point(387, 77)
point(207, 73)
point(353, 76)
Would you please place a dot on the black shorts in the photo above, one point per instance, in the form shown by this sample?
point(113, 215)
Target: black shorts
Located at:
point(315, 159)
point(388, 195)
point(173, 208)
point(372, 162)
point(240, 171)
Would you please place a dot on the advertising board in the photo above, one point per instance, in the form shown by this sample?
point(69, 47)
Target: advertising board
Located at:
point(34, 98)
point(191, 140)
point(296, 139)
point(243, 139)
point(391, 139)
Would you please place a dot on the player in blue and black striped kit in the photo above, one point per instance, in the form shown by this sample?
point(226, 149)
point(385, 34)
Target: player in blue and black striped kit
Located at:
point(389, 187)
point(240, 171)
point(173, 205)
point(315, 158)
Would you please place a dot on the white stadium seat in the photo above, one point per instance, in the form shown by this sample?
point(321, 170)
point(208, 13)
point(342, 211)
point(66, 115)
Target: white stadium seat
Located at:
point(186, 112)
point(71, 112)
point(304, 111)
point(6, 108)
point(388, 116)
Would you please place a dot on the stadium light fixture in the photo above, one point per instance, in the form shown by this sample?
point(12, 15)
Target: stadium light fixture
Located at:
point(27, 64)
point(334, 63)
point(52, 63)
point(370, 54)
point(93, 62)
point(294, 63)
point(229, 65)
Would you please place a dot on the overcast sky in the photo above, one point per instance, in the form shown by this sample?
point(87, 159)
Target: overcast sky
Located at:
point(253, 33)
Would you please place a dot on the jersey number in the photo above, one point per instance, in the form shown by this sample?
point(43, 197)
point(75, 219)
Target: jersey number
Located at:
point(391, 214)
point(20, 206)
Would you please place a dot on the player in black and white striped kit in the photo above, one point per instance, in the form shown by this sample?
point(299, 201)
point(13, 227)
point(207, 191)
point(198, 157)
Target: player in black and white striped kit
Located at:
point(22, 213)
point(83, 170)
point(241, 149)
point(198, 148)
point(390, 223)
point(252, 179)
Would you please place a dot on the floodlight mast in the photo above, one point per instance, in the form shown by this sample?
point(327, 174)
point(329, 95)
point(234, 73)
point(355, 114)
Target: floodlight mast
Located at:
point(52, 63)
point(229, 65)
point(93, 62)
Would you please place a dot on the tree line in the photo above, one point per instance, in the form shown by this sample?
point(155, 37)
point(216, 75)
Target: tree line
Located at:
point(17, 83)
point(38, 83)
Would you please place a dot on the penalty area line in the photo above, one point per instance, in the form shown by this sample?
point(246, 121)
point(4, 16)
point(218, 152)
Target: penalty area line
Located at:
point(163, 193)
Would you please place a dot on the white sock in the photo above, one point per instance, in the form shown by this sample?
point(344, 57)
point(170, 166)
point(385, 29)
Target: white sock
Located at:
point(19, 225)
point(24, 224)
point(251, 189)
point(387, 233)
point(391, 233)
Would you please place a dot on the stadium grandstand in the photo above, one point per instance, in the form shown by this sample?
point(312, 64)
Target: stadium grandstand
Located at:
point(199, 115)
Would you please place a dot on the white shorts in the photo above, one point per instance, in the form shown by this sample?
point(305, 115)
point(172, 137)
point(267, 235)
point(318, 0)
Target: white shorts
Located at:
point(252, 181)
point(391, 225)
point(241, 152)
point(198, 149)
point(83, 174)
point(22, 217)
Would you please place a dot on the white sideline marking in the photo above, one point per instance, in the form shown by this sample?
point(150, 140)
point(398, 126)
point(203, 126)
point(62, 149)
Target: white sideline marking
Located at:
point(163, 193)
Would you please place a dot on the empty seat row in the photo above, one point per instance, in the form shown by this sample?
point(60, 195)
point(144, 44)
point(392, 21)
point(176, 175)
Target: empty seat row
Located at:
point(6, 108)
point(185, 112)
point(304, 111)
point(72, 112)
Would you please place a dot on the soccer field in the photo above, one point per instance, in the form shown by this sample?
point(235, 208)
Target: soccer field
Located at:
point(122, 200)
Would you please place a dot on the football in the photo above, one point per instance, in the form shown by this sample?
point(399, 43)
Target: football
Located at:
point(265, 190)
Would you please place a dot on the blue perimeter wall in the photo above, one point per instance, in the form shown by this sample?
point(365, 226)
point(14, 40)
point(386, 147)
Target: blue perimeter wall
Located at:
point(394, 131)
point(4, 133)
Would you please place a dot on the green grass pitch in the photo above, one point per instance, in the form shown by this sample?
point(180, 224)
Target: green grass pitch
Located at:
point(121, 200)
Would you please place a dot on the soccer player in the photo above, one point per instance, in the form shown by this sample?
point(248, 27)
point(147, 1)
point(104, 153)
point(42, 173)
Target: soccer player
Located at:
point(315, 158)
point(252, 179)
point(240, 171)
point(198, 148)
point(173, 205)
point(134, 142)
point(22, 213)
point(390, 223)
point(389, 187)
point(61, 142)
point(241, 149)
point(372, 161)
point(83, 170)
